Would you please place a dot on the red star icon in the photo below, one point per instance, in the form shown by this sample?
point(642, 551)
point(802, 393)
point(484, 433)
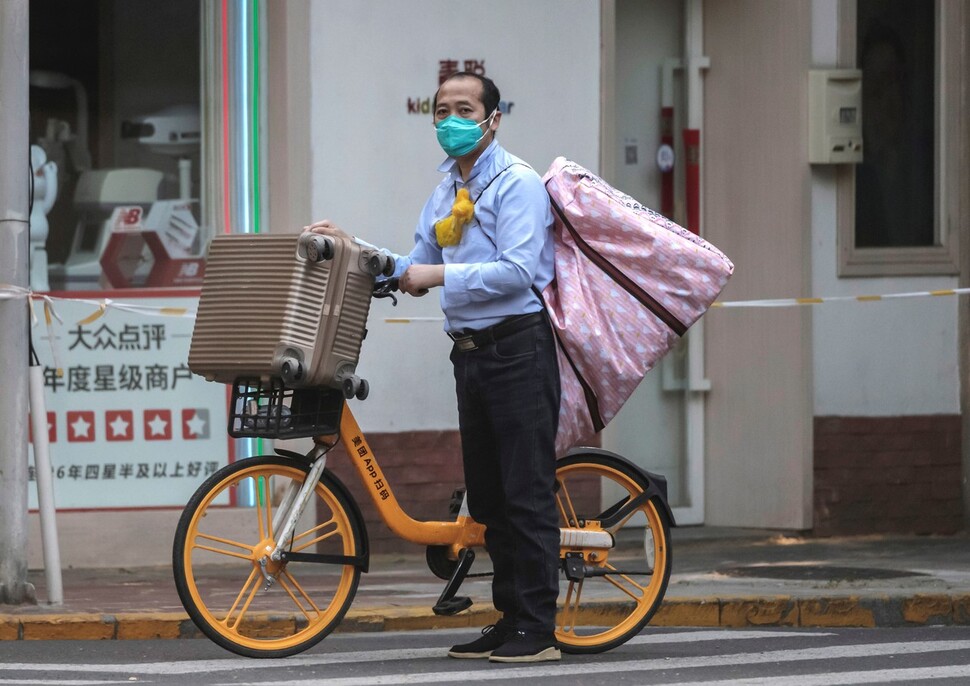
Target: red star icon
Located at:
point(119, 425)
point(195, 423)
point(80, 426)
point(158, 425)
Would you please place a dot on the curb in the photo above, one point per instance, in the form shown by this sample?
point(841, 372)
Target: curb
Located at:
point(730, 612)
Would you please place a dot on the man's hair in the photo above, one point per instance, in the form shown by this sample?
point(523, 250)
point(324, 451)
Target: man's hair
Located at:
point(490, 96)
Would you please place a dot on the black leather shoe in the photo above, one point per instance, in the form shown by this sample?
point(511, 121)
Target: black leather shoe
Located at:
point(493, 636)
point(526, 647)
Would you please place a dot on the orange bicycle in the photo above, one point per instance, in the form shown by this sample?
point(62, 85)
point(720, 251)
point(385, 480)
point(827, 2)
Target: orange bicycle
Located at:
point(298, 552)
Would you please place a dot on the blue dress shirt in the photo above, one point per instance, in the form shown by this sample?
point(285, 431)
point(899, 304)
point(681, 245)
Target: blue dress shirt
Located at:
point(504, 250)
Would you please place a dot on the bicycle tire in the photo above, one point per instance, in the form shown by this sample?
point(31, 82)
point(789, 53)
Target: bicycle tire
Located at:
point(307, 600)
point(624, 591)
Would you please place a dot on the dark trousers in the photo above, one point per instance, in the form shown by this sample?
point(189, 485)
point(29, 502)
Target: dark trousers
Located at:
point(508, 413)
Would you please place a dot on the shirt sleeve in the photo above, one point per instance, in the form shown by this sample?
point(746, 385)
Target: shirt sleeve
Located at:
point(522, 222)
point(425, 251)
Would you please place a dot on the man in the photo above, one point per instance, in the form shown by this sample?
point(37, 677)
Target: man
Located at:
point(484, 238)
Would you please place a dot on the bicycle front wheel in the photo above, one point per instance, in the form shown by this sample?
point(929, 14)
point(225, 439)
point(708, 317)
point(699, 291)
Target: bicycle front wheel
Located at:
point(609, 595)
point(237, 596)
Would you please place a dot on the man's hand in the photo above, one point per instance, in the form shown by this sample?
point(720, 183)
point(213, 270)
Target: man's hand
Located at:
point(327, 228)
point(420, 277)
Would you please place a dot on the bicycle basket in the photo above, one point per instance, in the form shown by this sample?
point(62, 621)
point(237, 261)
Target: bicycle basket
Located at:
point(268, 409)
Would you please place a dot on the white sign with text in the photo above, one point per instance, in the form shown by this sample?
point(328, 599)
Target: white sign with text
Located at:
point(129, 424)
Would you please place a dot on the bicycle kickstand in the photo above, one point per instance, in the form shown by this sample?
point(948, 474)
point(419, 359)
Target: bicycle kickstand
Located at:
point(448, 603)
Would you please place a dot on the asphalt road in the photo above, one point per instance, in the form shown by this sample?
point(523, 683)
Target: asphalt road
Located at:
point(937, 655)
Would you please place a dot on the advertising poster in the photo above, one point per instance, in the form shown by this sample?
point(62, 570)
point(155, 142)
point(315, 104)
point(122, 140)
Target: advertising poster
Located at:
point(129, 425)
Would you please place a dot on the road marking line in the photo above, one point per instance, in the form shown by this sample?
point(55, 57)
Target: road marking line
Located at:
point(720, 635)
point(658, 664)
point(232, 664)
point(878, 676)
point(228, 664)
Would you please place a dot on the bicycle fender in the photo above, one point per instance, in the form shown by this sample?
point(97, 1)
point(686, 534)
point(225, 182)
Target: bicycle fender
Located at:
point(299, 457)
point(653, 484)
point(337, 485)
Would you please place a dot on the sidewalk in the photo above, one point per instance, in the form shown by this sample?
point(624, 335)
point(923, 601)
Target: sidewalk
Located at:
point(721, 577)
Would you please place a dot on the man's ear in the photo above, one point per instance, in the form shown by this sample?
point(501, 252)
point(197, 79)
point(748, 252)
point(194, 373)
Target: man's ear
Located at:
point(495, 122)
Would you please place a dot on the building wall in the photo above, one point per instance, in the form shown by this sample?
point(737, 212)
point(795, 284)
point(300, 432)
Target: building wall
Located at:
point(373, 162)
point(887, 475)
point(880, 359)
point(886, 384)
point(650, 428)
point(757, 209)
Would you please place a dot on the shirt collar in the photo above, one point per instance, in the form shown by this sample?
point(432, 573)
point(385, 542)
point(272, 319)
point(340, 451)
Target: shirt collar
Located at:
point(450, 165)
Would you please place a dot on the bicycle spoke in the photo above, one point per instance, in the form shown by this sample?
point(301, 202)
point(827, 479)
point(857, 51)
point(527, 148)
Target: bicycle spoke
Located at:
point(260, 481)
point(226, 541)
point(221, 551)
point(621, 524)
point(253, 581)
point(570, 516)
point(614, 579)
point(323, 537)
point(303, 594)
point(269, 508)
point(296, 601)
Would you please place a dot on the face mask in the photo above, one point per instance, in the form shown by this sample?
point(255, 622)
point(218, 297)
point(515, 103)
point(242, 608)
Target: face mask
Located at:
point(459, 136)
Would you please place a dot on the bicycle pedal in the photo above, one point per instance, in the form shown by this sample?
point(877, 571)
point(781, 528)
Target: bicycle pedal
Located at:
point(452, 606)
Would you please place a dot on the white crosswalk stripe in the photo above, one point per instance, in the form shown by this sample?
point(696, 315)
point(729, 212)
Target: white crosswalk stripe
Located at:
point(586, 668)
point(875, 676)
point(672, 657)
point(401, 654)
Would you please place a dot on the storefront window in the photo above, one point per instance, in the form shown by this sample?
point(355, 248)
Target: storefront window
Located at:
point(145, 123)
point(115, 144)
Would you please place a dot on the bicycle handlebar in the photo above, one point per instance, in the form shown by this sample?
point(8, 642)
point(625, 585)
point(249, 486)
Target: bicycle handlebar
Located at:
point(386, 289)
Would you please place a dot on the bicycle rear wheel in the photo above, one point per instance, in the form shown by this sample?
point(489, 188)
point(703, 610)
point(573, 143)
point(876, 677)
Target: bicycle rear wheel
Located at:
point(615, 592)
point(221, 566)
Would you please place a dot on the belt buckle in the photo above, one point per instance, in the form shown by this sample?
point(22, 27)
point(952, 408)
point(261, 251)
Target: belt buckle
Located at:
point(466, 344)
point(463, 343)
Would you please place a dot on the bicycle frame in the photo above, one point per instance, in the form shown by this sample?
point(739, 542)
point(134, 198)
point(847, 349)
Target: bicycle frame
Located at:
point(462, 533)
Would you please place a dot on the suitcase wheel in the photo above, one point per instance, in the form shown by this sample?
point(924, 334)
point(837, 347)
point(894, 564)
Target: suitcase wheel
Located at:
point(377, 264)
point(355, 387)
point(315, 248)
point(291, 369)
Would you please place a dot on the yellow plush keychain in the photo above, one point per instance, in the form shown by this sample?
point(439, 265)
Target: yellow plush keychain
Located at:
point(448, 230)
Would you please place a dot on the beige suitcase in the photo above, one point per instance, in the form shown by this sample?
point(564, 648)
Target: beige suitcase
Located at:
point(286, 306)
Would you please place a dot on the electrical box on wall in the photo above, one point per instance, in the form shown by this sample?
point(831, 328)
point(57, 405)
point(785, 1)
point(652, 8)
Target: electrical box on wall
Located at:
point(835, 116)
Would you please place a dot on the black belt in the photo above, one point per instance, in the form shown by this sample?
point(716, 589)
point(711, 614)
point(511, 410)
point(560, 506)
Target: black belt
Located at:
point(469, 340)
